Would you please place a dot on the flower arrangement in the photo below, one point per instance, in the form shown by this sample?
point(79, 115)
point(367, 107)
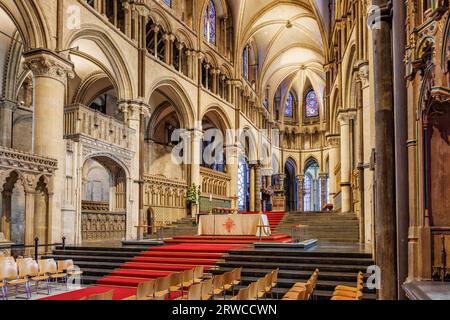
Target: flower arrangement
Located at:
point(193, 194)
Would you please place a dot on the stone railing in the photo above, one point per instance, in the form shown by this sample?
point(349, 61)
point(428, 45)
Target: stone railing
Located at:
point(14, 159)
point(103, 226)
point(214, 182)
point(81, 120)
point(94, 206)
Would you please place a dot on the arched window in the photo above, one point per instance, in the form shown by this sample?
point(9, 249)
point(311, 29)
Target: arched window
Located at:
point(307, 184)
point(289, 108)
point(168, 3)
point(245, 62)
point(312, 105)
point(210, 23)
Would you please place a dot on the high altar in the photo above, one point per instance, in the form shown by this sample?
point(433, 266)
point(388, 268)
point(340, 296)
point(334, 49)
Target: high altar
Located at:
point(234, 225)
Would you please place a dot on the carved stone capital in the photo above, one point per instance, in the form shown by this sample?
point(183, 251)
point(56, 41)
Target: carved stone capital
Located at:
point(333, 140)
point(46, 63)
point(345, 115)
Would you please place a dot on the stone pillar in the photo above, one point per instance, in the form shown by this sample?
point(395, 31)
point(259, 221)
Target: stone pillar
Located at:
point(252, 188)
point(207, 84)
point(50, 72)
point(300, 179)
point(7, 109)
point(385, 219)
point(232, 153)
point(344, 118)
point(180, 48)
point(323, 186)
point(30, 232)
point(258, 187)
point(167, 48)
point(134, 111)
point(155, 45)
point(5, 223)
point(196, 140)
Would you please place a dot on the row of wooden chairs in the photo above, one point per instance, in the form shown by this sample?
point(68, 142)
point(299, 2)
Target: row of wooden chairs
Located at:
point(198, 285)
point(303, 290)
point(23, 272)
point(350, 293)
point(259, 289)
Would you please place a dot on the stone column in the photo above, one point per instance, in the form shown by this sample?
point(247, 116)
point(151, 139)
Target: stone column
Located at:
point(50, 72)
point(232, 153)
point(258, 187)
point(168, 48)
point(30, 231)
point(196, 140)
point(155, 37)
point(7, 109)
point(5, 223)
point(207, 84)
point(252, 188)
point(300, 179)
point(180, 48)
point(344, 118)
point(323, 184)
point(385, 218)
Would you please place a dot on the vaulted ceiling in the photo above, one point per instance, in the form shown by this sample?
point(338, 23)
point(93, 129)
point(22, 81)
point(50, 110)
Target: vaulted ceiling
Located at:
point(290, 40)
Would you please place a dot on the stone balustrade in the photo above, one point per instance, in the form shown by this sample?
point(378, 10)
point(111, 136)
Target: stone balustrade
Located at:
point(80, 120)
point(24, 161)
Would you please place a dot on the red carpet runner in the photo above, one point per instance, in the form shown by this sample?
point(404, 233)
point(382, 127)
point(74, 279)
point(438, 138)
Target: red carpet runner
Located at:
point(153, 263)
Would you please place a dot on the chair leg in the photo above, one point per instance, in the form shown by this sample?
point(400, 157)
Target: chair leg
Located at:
point(28, 290)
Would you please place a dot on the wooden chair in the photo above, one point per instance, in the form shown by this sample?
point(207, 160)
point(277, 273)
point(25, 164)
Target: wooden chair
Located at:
point(218, 285)
point(50, 268)
point(275, 278)
point(176, 282)
point(359, 283)
point(237, 277)
point(253, 291)
point(242, 295)
point(261, 288)
point(295, 295)
point(32, 272)
point(194, 293)
point(102, 296)
point(162, 286)
point(228, 282)
point(207, 289)
point(199, 274)
point(9, 275)
point(145, 291)
point(69, 267)
point(188, 278)
point(268, 284)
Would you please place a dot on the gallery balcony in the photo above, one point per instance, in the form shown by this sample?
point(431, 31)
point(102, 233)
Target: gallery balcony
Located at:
point(81, 121)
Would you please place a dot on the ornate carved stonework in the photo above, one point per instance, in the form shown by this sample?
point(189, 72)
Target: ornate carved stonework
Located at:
point(103, 226)
point(45, 63)
point(14, 159)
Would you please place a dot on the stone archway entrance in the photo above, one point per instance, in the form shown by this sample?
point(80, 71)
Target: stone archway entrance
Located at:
point(103, 200)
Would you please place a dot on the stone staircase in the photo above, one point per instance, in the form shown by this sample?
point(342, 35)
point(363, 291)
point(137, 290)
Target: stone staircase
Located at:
point(325, 226)
point(297, 265)
point(96, 262)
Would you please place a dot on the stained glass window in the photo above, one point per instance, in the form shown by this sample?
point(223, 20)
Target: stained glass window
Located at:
point(210, 23)
point(242, 184)
point(307, 184)
point(289, 108)
point(168, 3)
point(312, 105)
point(245, 62)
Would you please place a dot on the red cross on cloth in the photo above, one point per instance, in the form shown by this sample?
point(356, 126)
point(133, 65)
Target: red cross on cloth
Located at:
point(229, 225)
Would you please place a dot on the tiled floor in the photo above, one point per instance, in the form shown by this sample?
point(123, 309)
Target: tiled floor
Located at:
point(55, 289)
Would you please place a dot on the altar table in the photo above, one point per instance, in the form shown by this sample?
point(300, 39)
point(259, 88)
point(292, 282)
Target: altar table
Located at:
point(234, 225)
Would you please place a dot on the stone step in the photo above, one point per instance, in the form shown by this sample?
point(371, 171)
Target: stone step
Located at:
point(354, 269)
point(134, 249)
point(96, 253)
point(299, 253)
point(300, 260)
point(87, 258)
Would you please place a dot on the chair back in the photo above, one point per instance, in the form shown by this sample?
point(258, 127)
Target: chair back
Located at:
point(195, 292)
point(188, 276)
point(6, 259)
point(243, 294)
point(261, 285)
point(176, 279)
point(162, 284)
point(145, 289)
point(238, 274)
point(207, 288)
point(218, 282)
point(198, 272)
point(228, 278)
point(268, 281)
point(253, 291)
point(302, 294)
point(8, 270)
point(275, 277)
point(102, 296)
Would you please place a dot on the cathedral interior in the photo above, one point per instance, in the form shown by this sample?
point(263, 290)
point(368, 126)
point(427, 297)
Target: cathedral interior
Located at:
point(335, 114)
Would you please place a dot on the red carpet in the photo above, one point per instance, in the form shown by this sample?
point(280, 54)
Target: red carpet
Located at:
point(274, 218)
point(154, 263)
point(229, 239)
